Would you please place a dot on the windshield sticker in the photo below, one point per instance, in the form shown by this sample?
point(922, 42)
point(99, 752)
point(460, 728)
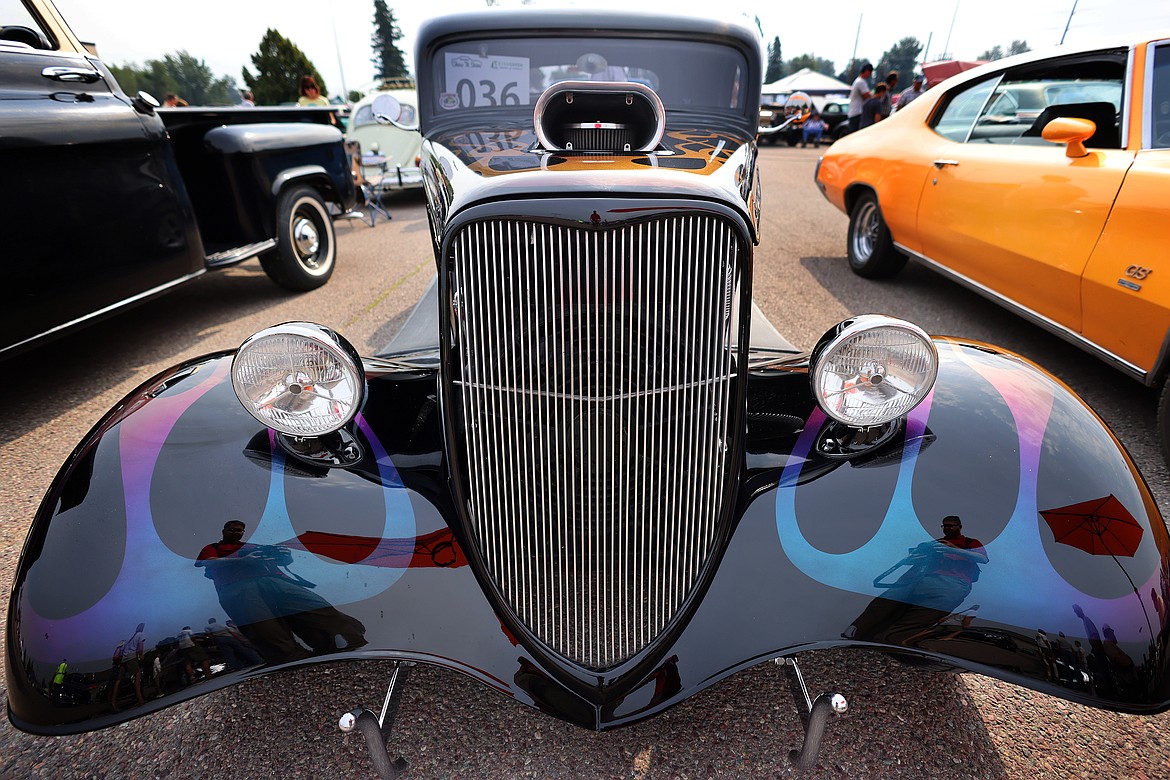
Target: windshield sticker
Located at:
point(481, 82)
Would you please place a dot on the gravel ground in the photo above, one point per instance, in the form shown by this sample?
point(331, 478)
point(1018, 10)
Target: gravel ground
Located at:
point(902, 724)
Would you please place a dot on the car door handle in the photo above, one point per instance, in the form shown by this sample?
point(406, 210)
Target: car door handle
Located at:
point(940, 163)
point(72, 75)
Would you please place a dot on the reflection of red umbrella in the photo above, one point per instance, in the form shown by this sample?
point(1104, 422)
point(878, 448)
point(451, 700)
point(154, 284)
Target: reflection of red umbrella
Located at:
point(1101, 526)
point(436, 549)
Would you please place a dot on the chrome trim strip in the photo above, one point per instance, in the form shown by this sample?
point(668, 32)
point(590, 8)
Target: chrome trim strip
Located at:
point(1148, 91)
point(593, 398)
point(1071, 336)
point(239, 254)
point(142, 296)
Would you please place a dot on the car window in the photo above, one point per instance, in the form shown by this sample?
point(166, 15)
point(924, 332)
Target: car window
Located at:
point(364, 115)
point(1014, 107)
point(20, 29)
point(485, 74)
point(961, 109)
point(1160, 99)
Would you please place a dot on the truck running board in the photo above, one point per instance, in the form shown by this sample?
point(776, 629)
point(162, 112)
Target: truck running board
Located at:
point(239, 254)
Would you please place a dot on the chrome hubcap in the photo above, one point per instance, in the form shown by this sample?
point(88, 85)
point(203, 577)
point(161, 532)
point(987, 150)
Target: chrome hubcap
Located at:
point(865, 238)
point(306, 237)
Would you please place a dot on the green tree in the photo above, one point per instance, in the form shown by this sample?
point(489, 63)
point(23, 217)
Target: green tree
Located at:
point(851, 70)
point(813, 63)
point(997, 52)
point(902, 57)
point(775, 70)
point(181, 74)
point(279, 66)
point(388, 59)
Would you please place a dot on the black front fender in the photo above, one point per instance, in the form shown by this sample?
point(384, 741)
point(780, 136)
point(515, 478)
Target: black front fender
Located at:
point(824, 551)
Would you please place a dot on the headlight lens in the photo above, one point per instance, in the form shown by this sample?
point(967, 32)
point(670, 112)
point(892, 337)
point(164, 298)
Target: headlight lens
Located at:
point(873, 369)
point(299, 378)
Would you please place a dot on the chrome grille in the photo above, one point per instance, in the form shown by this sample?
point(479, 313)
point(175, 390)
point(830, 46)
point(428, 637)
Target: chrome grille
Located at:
point(594, 387)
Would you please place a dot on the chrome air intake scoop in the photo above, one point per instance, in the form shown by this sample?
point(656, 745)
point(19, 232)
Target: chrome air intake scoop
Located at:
point(599, 116)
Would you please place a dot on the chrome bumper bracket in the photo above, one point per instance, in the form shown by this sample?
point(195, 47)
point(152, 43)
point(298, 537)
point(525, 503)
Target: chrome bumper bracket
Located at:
point(376, 728)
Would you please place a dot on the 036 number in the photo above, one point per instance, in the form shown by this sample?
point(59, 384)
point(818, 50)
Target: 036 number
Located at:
point(469, 95)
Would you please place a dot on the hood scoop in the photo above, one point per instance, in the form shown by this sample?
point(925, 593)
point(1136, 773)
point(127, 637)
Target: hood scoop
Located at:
point(599, 116)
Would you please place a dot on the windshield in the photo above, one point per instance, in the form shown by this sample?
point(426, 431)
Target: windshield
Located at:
point(473, 75)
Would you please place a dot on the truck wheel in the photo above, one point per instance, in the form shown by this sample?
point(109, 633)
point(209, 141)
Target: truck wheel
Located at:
point(870, 247)
point(306, 246)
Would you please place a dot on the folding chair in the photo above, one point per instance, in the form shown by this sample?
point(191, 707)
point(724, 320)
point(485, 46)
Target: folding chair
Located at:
point(369, 171)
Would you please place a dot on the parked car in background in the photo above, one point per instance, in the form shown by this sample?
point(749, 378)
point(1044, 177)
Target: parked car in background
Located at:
point(1039, 181)
point(835, 112)
point(588, 473)
point(390, 154)
point(785, 121)
point(114, 200)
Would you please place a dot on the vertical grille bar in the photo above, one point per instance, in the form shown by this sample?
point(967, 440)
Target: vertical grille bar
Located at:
point(593, 381)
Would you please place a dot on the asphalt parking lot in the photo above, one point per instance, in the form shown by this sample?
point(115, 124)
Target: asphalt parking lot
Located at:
point(903, 723)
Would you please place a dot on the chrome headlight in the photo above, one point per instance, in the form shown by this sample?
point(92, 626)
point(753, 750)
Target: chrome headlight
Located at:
point(872, 369)
point(299, 378)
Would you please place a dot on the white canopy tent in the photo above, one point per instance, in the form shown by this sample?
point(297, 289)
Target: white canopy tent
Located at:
point(804, 80)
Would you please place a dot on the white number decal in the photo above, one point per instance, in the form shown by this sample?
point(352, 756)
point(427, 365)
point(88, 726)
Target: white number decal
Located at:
point(478, 82)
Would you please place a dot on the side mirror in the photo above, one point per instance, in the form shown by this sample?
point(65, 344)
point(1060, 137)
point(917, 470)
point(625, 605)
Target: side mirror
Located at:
point(388, 111)
point(144, 102)
point(1071, 131)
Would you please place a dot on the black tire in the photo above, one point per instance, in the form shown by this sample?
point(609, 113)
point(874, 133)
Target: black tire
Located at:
point(840, 131)
point(306, 246)
point(870, 248)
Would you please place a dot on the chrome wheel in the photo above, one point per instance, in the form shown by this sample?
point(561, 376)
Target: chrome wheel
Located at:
point(865, 230)
point(870, 247)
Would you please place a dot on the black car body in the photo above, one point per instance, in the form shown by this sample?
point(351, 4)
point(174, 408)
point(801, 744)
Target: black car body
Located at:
point(118, 201)
point(587, 473)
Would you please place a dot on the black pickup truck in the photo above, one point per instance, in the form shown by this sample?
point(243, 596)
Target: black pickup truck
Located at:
point(111, 200)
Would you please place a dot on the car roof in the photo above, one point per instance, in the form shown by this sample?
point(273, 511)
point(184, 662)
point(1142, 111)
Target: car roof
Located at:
point(534, 23)
point(1036, 55)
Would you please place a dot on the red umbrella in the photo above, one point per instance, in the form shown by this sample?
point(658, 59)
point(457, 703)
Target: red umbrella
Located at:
point(1101, 526)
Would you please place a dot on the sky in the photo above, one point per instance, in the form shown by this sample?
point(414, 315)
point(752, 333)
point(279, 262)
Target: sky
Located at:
point(335, 34)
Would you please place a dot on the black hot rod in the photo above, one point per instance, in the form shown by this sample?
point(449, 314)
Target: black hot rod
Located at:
point(587, 472)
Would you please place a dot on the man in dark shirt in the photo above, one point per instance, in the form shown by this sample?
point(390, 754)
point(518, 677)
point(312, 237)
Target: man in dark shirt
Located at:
point(871, 110)
point(939, 578)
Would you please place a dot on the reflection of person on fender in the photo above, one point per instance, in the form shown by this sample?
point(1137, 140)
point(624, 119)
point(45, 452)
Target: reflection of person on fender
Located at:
point(939, 579)
point(272, 608)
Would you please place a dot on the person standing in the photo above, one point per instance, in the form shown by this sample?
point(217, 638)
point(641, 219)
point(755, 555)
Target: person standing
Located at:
point(888, 98)
point(311, 93)
point(858, 94)
point(871, 110)
point(912, 92)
